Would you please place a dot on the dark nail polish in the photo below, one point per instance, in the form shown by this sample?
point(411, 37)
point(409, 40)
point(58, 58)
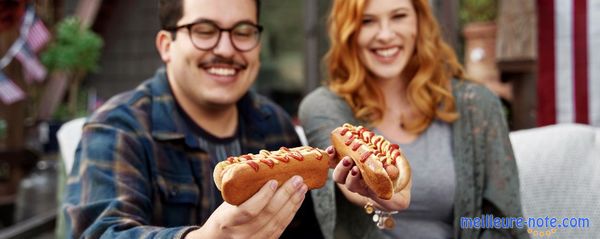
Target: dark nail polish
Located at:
point(354, 172)
point(346, 163)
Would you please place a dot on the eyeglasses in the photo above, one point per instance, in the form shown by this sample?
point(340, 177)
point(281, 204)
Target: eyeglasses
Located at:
point(205, 34)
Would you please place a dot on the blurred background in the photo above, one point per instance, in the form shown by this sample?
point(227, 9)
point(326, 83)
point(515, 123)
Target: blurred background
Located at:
point(61, 59)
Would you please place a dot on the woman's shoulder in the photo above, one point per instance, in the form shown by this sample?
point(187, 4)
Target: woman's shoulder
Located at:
point(322, 98)
point(472, 93)
point(321, 93)
point(323, 103)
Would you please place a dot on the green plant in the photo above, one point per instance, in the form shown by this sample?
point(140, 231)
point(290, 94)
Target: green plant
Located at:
point(3, 128)
point(63, 113)
point(478, 10)
point(74, 48)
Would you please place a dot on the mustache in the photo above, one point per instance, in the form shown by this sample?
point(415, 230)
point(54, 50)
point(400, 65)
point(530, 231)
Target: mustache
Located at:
point(218, 60)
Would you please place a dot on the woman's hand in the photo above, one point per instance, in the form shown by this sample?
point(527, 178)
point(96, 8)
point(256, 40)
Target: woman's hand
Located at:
point(349, 179)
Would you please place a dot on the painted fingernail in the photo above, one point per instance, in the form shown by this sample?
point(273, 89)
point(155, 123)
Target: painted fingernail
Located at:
point(297, 181)
point(330, 150)
point(273, 184)
point(345, 162)
point(354, 172)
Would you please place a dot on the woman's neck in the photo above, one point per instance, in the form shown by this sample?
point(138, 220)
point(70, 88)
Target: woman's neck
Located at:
point(398, 109)
point(394, 92)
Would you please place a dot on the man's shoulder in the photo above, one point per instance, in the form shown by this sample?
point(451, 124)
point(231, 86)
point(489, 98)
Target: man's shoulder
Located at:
point(267, 124)
point(132, 106)
point(263, 105)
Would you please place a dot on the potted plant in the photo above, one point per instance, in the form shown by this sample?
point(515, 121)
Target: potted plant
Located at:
point(478, 18)
point(478, 11)
point(74, 51)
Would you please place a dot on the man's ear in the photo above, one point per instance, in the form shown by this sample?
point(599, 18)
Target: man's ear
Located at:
point(163, 45)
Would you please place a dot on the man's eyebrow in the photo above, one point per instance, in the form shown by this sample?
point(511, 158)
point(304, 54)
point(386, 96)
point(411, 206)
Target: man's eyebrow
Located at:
point(203, 19)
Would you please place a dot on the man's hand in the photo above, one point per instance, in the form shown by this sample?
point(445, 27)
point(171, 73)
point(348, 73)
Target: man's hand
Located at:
point(264, 215)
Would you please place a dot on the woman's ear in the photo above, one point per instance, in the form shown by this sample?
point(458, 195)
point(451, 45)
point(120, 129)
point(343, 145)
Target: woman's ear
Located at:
point(163, 45)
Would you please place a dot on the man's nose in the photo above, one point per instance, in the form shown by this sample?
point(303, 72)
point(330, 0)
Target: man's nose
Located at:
point(224, 47)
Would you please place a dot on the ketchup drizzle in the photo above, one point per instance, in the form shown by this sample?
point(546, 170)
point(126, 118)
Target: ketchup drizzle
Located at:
point(361, 131)
point(365, 156)
point(268, 162)
point(253, 164)
point(376, 140)
point(349, 140)
point(297, 156)
point(246, 156)
point(355, 146)
point(284, 159)
point(319, 155)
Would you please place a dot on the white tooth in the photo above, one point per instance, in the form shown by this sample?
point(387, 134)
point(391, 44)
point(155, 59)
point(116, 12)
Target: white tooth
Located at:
point(222, 71)
point(387, 52)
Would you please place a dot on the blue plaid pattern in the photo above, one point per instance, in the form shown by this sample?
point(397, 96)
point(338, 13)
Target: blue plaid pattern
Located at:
point(140, 172)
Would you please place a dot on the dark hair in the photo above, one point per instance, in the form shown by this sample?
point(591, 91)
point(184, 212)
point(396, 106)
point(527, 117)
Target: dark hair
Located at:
point(170, 11)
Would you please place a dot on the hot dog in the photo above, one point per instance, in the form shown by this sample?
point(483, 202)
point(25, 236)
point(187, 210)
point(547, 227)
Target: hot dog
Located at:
point(382, 164)
point(239, 178)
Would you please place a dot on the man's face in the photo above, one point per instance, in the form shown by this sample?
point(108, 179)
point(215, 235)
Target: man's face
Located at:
point(218, 77)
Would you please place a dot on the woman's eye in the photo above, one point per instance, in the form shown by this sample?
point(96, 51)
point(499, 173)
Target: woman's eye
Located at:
point(399, 16)
point(367, 21)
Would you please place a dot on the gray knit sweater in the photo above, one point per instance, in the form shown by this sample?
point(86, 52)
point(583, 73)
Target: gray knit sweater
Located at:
point(487, 180)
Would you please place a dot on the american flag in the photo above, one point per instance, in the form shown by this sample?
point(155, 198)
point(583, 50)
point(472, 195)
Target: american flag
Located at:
point(38, 36)
point(32, 68)
point(9, 91)
point(569, 62)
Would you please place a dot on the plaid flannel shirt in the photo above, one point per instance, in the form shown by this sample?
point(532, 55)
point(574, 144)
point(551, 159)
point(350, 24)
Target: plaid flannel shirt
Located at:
point(139, 171)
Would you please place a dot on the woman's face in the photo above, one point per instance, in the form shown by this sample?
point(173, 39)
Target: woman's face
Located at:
point(387, 36)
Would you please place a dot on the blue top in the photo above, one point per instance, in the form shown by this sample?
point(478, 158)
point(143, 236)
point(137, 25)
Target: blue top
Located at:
point(142, 171)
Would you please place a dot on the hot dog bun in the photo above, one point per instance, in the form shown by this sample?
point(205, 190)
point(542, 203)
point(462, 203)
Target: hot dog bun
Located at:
point(239, 178)
point(382, 164)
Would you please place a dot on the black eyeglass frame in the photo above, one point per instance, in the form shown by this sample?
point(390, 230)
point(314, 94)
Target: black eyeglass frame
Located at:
point(188, 26)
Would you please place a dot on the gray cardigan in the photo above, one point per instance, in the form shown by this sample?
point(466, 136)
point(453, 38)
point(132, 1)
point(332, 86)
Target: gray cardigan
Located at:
point(486, 174)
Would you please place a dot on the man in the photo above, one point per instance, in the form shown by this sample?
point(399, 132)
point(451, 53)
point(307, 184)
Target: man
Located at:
point(144, 166)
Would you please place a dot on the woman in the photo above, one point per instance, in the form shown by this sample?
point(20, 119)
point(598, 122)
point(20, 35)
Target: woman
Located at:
point(390, 70)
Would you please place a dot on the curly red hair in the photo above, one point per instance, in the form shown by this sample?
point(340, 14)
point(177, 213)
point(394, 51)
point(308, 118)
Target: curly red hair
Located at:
point(429, 70)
